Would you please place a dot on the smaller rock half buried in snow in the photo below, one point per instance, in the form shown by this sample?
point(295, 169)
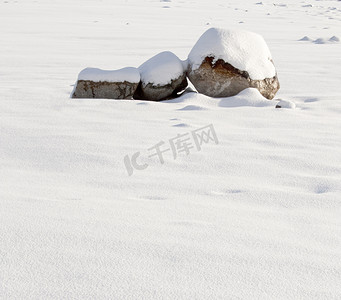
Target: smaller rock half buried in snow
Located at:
point(97, 83)
point(162, 77)
point(285, 104)
point(224, 62)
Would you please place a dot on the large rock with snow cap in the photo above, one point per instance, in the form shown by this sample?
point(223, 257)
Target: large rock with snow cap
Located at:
point(162, 77)
point(97, 83)
point(224, 62)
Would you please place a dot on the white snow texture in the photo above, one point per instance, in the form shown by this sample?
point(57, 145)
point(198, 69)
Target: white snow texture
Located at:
point(161, 69)
point(256, 216)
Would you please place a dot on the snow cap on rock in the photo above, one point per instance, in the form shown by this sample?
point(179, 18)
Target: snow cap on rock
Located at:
point(161, 69)
point(244, 50)
point(97, 75)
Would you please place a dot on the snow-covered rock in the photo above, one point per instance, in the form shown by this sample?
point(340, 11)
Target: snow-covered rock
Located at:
point(285, 104)
point(162, 76)
point(97, 83)
point(224, 62)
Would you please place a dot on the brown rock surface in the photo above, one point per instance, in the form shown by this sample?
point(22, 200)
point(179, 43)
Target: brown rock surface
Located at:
point(104, 89)
point(221, 79)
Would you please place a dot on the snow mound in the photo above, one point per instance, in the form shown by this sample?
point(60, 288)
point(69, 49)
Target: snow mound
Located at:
point(247, 97)
point(320, 41)
point(161, 69)
point(246, 51)
point(126, 74)
point(195, 101)
point(334, 39)
point(305, 39)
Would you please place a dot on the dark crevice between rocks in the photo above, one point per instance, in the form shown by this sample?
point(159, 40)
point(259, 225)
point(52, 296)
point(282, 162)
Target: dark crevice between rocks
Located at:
point(140, 95)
